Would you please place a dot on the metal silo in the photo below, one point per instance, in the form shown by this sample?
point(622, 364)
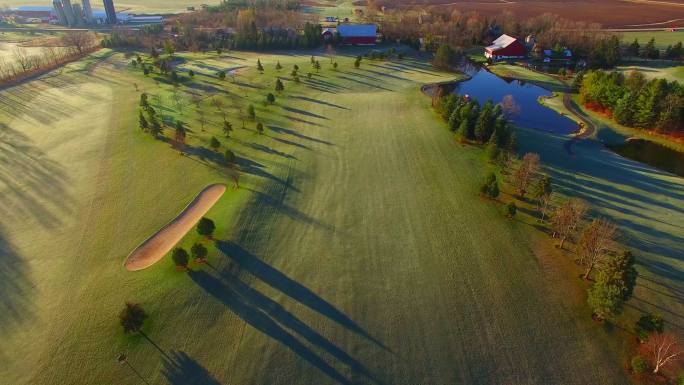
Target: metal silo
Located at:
point(59, 10)
point(87, 11)
point(111, 13)
point(69, 13)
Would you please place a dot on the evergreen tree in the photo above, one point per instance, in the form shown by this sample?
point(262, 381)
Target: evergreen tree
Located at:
point(270, 98)
point(619, 271)
point(251, 111)
point(279, 85)
point(633, 49)
point(227, 128)
point(260, 68)
point(143, 122)
point(278, 66)
point(214, 143)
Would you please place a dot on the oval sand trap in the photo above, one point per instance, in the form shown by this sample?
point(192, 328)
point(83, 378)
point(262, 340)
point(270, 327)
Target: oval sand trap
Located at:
point(155, 247)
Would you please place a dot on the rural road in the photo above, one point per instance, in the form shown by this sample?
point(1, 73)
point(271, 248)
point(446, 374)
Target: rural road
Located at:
point(587, 130)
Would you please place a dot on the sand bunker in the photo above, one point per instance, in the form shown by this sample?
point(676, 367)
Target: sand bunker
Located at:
point(155, 247)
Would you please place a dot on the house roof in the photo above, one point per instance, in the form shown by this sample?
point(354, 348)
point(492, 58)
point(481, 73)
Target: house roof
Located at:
point(357, 30)
point(502, 42)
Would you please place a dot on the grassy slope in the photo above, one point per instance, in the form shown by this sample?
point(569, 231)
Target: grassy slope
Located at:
point(670, 73)
point(662, 38)
point(363, 230)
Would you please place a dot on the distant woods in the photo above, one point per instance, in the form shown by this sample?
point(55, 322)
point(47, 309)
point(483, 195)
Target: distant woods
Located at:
point(634, 101)
point(253, 25)
point(22, 63)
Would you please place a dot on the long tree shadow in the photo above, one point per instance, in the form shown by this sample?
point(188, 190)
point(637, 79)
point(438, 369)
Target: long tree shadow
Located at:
point(290, 287)
point(303, 112)
point(181, 369)
point(318, 101)
point(261, 321)
point(15, 303)
point(294, 133)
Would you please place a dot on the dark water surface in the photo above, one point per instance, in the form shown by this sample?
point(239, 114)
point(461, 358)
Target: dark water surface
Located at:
point(484, 85)
point(653, 154)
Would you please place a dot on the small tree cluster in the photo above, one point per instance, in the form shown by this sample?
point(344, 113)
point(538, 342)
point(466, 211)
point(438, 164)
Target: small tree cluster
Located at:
point(490, 187)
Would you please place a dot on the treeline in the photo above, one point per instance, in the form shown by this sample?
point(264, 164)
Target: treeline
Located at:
point(634, 101)
point(230, 28)
point(21, 64)
point(441, 25)
point(650, 51)
point(227, 5)
point(470, 122)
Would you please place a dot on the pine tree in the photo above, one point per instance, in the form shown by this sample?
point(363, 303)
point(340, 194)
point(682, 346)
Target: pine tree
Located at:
point(227, 128)
point(143, 122)
point(260, 68)
point(278, 66)
point(279, 85)
point(633, 49)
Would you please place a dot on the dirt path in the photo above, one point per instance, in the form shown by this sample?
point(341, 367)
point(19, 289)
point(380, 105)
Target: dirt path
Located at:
point(588, 127)
point(154, 248)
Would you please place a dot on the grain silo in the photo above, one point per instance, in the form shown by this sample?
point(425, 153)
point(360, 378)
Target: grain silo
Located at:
point(111, 13)
point(59, 10)
point(78, 14)
point(69, 13)
point(87, 11)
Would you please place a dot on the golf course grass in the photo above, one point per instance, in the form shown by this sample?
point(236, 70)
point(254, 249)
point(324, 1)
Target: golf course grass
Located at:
point(356, 249)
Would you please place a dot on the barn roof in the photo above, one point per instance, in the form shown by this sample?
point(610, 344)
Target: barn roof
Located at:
point(502, 42)
point(357, 30)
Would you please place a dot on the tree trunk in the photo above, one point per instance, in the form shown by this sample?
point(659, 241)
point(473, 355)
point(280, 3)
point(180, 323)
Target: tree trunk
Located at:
point(562, 242)
point(589, 269)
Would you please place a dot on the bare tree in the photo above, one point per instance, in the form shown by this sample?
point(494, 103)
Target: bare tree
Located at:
point(178, 99)
point(22, 57)
point(526, 172)
point(663, 348)
point(567, 217)
point(509, 106)
point(80, 41)
point(544, 206)
point(201, 118)
point(594, 242)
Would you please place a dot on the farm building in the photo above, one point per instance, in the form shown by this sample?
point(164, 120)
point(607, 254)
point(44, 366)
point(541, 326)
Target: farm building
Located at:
point(505, 47)
point(358, 34)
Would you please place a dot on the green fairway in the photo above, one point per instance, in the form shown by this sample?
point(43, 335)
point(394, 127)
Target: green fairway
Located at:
point(662, 38)
point(355, 251)
point(671, 73)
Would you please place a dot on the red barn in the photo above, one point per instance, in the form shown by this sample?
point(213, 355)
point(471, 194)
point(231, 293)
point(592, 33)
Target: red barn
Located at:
point(505, 47)
point(358, 34)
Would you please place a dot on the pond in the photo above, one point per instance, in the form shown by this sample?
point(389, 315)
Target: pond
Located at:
point(484, 85)
point(653, 154)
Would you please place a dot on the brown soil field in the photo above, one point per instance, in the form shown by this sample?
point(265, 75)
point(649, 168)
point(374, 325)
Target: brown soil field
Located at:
point(154, 248)
point(609, 13)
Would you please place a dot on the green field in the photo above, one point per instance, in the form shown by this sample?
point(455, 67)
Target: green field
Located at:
point(651, 71)
point(662, 38)
point(139, 6)
point(355, 251)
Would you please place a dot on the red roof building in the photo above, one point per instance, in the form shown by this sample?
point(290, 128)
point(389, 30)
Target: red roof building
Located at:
point(358, 34)
point(505, 47)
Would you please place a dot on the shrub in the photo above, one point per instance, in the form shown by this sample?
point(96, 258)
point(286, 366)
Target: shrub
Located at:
point(260, 128)
point(180, 257)
point(221, 75)
point(639, 364)
point(132, 317)
point(647, 324)
point(230, 157)
point(199, 252)
point(511, 209)
point(251, 111)
point(191, 73)
point(215, 144)
point(206, 226)
point(270, 98)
